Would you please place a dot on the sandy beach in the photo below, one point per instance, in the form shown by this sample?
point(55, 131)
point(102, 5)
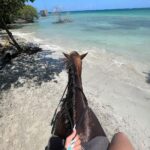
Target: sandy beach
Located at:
point(116, 89)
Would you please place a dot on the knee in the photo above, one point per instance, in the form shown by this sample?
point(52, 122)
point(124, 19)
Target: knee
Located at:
point(120, 141)
point(120, 135)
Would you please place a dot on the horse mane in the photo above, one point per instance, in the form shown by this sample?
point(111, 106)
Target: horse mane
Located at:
point(68, 103)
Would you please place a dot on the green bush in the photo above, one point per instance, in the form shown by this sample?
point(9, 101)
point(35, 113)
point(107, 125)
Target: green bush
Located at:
point(9, 10)
point(28, 13)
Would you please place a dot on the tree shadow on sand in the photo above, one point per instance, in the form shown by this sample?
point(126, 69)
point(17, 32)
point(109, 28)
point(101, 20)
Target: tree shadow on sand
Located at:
point(40, 67)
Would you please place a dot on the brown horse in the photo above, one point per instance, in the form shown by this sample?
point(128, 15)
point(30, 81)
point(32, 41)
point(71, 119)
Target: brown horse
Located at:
point(74, 109)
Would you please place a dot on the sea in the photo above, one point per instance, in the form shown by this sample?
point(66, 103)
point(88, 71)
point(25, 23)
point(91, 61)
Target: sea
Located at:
point(123, 32)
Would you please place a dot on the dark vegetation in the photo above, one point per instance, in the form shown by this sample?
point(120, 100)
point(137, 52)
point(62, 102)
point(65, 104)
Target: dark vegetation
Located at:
point(28, 13)
point(10, 9)
point(8, 12)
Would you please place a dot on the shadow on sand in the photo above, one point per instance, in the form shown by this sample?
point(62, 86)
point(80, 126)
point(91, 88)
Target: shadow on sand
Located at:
point(40, 67)
point(147, 77)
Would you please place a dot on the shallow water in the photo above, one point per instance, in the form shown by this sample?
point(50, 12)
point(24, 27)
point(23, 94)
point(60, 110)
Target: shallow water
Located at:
point(123, 32)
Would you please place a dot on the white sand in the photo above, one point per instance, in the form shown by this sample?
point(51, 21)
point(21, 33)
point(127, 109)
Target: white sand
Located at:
point(123, 93)
point(116, 90)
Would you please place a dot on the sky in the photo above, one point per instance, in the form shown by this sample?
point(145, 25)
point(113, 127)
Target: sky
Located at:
point(72, 5)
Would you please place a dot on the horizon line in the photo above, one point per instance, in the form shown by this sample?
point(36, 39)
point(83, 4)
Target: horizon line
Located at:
point(107, 9)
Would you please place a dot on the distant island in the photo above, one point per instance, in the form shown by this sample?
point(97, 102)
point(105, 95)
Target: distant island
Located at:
point(44, 13)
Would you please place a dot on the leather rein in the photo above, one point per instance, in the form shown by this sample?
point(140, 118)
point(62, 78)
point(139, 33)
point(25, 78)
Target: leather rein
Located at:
point(60, 104)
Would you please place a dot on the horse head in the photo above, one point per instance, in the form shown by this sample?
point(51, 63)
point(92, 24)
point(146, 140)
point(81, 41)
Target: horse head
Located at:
point(75, 59)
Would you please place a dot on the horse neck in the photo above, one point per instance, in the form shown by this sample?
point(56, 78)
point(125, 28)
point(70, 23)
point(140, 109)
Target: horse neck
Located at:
point(79, 101)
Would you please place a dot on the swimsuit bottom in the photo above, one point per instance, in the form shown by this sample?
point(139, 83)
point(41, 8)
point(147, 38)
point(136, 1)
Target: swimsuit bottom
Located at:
point(97, 143)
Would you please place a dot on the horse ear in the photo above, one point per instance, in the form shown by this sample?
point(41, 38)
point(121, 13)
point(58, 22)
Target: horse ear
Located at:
point(66, 55)
point(83, 55)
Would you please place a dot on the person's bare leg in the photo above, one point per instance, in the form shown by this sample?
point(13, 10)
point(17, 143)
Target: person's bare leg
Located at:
point(120, 142)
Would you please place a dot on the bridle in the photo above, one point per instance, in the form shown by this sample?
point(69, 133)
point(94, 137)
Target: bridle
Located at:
point(59, 105)
point(77, 125)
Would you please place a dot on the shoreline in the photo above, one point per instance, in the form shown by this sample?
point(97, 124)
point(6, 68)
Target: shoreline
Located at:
point(113, 87)
point(118, 59)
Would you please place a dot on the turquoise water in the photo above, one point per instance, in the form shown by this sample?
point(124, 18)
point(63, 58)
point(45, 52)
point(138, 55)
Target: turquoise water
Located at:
point(123, 32)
